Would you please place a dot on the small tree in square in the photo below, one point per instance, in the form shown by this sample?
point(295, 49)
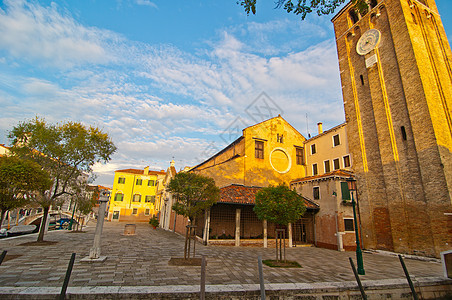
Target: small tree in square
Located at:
point(194, 193)
point(279, 205)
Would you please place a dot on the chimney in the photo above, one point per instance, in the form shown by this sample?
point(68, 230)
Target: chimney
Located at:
point(319, 126)
point(146, 170)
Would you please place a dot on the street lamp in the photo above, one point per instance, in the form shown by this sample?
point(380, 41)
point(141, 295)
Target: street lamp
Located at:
point(359, 254)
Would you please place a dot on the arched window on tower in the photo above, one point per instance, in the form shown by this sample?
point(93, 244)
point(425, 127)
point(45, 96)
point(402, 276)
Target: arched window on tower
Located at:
point(373, 3)
point(353, 16)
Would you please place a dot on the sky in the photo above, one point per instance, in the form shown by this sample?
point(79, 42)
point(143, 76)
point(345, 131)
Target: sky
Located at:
point(166, 79)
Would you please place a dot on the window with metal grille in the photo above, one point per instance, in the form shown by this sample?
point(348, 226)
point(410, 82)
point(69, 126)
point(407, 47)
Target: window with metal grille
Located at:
point(348, 224)
point(259, 149)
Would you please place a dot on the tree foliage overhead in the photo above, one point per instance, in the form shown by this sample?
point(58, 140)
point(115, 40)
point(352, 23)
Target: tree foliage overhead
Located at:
point(279, 204)
point(66, 151)
point(19, 181)
point(193, 193)
point(305, 7)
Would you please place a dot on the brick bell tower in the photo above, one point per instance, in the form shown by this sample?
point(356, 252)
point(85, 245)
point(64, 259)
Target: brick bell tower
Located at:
point(395, 63)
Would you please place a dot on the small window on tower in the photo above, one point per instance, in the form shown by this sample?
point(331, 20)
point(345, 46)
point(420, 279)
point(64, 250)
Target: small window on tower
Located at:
point(362, 79)
point(353, 16)
point(403, 133)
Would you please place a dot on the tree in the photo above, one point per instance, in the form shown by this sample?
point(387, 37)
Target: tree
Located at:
point(85, 203)
point(279, 205)
point(305, 7)
point(193, 193)
point(19, 180)
point(67, 151)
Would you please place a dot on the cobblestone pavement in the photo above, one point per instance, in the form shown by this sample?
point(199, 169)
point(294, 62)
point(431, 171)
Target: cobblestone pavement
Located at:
point(142, 260)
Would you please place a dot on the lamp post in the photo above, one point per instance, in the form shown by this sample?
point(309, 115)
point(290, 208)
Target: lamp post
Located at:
point(94, 252)
point(359, 254)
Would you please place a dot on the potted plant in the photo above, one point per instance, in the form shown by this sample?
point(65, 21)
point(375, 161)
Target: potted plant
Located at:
point(154, 222)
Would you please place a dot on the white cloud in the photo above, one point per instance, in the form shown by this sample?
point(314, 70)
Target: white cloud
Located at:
point(159, 101)
point(36, 33)
point(146, 3)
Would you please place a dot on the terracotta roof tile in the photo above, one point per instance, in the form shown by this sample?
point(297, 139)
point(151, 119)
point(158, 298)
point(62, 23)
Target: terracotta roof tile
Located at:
point(336, 173)
point(138, 171)
point(240, 194)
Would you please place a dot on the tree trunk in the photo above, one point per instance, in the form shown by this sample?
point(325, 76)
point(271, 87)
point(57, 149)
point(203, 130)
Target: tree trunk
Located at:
point(43, 224)
point(2, 217)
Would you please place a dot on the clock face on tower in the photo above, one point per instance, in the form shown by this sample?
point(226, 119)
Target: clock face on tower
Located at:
point(368, 41)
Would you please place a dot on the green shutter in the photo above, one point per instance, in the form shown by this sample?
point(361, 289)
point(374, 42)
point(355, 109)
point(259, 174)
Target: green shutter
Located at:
point(345, 191)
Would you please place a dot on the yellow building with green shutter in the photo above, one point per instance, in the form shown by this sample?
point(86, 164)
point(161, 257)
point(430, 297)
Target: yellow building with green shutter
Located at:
point(133, 195)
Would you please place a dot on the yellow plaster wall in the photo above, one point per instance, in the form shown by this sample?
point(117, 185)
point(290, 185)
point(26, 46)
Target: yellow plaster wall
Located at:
point(239, 165)
point(325, 150)
point(129, 188)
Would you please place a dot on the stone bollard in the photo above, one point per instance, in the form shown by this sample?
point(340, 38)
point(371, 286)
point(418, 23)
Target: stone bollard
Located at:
point(129, 229)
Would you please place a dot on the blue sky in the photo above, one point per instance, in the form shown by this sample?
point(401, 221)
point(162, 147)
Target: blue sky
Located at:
point(167, 79)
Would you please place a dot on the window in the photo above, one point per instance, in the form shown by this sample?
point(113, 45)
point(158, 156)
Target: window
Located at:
point(134, 211)
point(299, 156)
point(362, 79)
point(314, 169)
point(139, 181)
point(313, 151)
point(147, 211)
point(336, 164)
point(151, 182)
point(119, 197)
point(353, 16)
point(402, 128)
point(345, 191)
point(316, 192)
point(279, 138)
point(336, 141)
point(346, 161)
point(136, 198)
point(326, 165)
point(348, 224)
point(150, 199)
point(259, 149)
point(121, 180)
